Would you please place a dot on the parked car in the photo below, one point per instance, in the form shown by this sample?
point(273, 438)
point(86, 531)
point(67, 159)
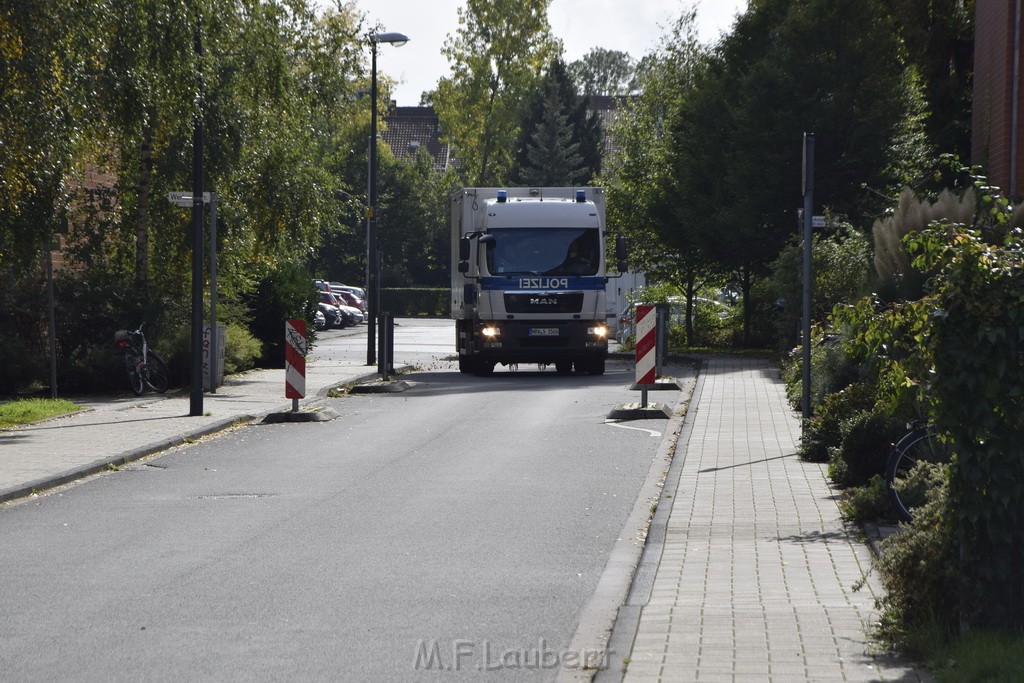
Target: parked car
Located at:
point(319, 320)
point(350, 299)
point(340, 317)
point(353, 295)
point(358, 291)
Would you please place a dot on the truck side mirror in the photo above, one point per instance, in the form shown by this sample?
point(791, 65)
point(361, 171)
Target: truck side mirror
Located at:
point(463, 267)
point(463, 250)
point(621, 253)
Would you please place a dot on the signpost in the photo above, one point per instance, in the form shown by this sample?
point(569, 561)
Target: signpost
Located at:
point(209, 335)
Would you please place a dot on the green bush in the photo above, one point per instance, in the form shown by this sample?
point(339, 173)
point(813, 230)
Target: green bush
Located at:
point(824, 430)
point(284, 294)
point(864, 449)
point(241, 349)
point(867, 503)
point(919, 569)
point(832, 369)
point(842, 267)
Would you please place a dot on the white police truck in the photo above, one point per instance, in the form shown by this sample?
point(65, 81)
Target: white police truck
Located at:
point(528, 278)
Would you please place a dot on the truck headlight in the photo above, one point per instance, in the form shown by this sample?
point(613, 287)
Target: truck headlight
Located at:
point(599, 331)
point(490, 332)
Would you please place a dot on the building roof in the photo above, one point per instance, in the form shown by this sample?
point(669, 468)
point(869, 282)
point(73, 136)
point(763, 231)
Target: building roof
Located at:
point(410, 129)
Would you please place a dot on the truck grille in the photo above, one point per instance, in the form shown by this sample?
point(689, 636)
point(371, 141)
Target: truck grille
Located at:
point(567, 302)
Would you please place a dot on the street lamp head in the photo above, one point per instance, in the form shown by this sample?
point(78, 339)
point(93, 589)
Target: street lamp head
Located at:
point(396, 39)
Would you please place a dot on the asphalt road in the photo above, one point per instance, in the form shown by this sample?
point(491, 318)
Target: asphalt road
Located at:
point(458, 529)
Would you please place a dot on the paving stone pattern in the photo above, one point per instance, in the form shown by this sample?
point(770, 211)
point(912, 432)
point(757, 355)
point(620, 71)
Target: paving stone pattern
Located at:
point(756, 579)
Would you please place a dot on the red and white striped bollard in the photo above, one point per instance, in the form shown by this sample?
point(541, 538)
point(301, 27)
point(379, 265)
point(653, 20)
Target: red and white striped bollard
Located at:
point(646, 348)
point(295, 361)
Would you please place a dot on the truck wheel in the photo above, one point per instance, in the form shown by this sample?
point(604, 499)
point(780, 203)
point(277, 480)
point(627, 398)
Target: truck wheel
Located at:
point(596, 366)
point(484, 368)
point(563, 367)
point(465, 364)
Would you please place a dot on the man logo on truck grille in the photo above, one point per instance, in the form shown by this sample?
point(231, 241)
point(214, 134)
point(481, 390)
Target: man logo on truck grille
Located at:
point(542, 301)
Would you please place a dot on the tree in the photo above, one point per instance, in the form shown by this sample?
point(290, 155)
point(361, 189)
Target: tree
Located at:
point(497, 57)
point(605, 72)
point(788, 68)
point(46, 58)
point(559, 141)
point(639, 176)
point(939, 40)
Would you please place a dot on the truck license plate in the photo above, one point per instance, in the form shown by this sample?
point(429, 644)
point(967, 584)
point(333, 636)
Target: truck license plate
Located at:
point(543, 331)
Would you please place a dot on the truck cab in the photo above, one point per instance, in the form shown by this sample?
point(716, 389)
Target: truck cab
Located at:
point(528, 278)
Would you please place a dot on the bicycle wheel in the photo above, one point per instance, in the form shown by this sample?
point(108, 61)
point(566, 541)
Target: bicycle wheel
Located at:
point(159, 375)
point(131, 366)
point(915, 467)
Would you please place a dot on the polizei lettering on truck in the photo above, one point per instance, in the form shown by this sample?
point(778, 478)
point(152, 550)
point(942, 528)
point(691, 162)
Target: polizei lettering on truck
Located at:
point(529, 272)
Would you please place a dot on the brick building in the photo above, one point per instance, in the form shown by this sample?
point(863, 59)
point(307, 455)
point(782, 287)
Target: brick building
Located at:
point(997, 113)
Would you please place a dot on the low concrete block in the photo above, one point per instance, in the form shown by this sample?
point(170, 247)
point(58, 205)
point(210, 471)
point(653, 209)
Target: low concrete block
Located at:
point(637, 411)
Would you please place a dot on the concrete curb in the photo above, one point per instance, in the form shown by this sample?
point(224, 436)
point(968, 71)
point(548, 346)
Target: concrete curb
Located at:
point(627, 620)
point(598, 629)
point(104, 464)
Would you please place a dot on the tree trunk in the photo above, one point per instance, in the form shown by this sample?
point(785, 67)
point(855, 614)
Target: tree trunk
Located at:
point(142, 209)
point(691, 289)
point(746, 279)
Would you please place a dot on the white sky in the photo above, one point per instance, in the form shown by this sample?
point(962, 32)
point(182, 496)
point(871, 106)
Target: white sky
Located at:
point(633, 26)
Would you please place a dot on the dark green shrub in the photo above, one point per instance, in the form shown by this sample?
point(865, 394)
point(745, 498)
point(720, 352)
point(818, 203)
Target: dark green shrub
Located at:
point(832, 369)
point(864, 449)
point(824, 429)
point(286, 293)
point(919, 569)
point(868, 503)
point(842, 274)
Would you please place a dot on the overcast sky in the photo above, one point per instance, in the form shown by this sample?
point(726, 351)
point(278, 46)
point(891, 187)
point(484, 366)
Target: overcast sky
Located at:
point(632, 26)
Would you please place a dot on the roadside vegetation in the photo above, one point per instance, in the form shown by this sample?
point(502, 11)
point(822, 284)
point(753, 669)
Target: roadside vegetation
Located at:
point(25, 410)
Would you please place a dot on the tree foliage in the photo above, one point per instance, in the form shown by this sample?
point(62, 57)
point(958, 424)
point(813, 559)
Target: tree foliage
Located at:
point(497, 56)
point(97, 106)
point(639, 174)
point(939, 40)
point(559, 141)
point(834, 69)
point(605, 72)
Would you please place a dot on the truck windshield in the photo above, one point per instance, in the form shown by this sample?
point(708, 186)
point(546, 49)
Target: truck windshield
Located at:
point(543, 251)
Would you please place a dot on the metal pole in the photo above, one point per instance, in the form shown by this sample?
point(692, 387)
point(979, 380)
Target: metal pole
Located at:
point(213, 293)
point(372, 303)
point(808, 220)
point(53, 323)
point(382, 355)
point(196, 395)
point(1015, 87)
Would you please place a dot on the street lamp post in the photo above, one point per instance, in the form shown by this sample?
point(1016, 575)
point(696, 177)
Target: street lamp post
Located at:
point(373, 257)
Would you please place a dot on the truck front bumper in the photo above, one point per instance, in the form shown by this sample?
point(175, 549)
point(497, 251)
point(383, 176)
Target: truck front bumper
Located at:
point(541, 341)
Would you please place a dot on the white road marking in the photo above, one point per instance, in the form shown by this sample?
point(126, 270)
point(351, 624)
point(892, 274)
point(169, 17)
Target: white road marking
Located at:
point(613, 423)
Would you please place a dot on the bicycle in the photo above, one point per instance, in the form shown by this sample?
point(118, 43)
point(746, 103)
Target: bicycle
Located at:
point(915, 466)
point(143, 365)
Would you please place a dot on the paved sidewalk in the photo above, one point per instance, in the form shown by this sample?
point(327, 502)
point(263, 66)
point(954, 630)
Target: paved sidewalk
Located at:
point(755, 581)
point(114, 430)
